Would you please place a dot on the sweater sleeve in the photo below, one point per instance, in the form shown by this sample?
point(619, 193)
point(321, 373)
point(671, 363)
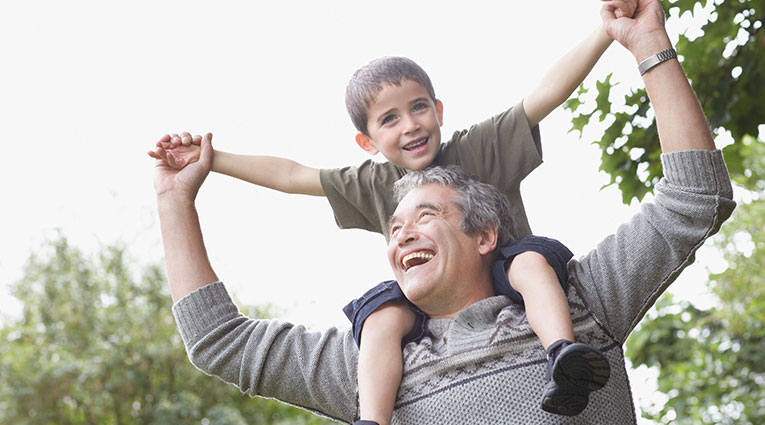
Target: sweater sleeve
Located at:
point(271, 358)
point(622, 278)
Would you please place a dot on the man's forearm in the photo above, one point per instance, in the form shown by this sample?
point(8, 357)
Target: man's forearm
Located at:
point(188, 267)
point(565, 76)
point(679, 117)
point(275, 173)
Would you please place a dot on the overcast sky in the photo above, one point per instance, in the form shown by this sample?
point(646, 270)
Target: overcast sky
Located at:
point(87, 87)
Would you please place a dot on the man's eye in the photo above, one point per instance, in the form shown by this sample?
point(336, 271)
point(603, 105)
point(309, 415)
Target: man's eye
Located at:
point(394, 229)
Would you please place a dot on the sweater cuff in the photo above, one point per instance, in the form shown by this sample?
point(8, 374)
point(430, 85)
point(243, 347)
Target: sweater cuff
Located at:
point(700, 170)
point(198, 312)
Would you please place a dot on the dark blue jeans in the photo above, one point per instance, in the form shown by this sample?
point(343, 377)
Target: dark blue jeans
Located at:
point(556, 253)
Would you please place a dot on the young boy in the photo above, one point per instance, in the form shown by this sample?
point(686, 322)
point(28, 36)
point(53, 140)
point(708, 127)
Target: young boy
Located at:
point(392, 104)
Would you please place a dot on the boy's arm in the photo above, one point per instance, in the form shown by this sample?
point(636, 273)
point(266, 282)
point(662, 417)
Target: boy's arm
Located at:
point(276, 173)
point(570, 70)
point(565, 76)
point(272, 172)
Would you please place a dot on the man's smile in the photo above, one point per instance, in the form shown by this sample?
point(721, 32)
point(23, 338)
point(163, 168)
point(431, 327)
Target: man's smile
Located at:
point(416, 258)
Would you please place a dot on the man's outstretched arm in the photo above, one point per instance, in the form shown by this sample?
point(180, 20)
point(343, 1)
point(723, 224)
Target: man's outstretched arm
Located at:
point(188, 267)
point(628, 271)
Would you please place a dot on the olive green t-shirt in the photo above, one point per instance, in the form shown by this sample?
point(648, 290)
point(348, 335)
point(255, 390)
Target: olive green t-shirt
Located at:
point(500, 151)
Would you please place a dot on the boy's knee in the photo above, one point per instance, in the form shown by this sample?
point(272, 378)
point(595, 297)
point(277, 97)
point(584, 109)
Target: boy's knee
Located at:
point(529, 261)
point(392, 317)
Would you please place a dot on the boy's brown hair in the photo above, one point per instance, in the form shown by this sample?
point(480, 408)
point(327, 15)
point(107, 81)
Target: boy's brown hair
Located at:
point(368, 80)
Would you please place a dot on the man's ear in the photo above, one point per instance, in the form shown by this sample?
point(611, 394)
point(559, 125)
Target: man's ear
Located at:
point(487, 239)
point(440, 112)
point(365, 143)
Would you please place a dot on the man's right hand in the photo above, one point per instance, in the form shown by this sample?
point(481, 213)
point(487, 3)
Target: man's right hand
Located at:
point(643, 34)
point(184, 183)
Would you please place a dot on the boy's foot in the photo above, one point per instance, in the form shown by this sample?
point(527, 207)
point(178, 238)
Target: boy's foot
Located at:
point(573, 371)
point(360, 422)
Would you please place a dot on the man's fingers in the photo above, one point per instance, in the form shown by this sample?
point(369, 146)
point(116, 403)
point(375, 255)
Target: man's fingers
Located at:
point(206, 152)
point(196, 139)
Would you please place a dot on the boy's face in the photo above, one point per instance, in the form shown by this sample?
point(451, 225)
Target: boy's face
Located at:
point(404, 124)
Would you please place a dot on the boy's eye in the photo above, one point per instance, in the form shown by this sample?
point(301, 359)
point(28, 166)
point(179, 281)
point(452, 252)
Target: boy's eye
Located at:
point(388, 119)
point(419, 106)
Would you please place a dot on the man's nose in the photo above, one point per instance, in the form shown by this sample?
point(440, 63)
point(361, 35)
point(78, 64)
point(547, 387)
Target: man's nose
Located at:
point(406, 234)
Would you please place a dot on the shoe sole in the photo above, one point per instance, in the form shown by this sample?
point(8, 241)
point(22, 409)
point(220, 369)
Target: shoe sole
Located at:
point(578, 370)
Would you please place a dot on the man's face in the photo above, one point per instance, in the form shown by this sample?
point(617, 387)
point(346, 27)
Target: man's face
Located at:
point(439, 267)
point(404, 124)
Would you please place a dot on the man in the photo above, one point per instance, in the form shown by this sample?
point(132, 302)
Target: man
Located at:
point(479, 362)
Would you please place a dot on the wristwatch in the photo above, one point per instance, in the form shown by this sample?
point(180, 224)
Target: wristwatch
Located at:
point(656, 59)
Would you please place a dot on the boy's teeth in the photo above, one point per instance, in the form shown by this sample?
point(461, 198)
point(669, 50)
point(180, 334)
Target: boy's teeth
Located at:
point(415, 145)
point(415, 258)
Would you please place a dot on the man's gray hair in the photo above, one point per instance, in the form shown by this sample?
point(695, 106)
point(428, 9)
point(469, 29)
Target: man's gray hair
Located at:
point(368, 80)
point(481, 204)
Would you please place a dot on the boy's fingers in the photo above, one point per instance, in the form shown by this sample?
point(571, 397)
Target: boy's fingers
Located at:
point(154, 155)
point(163, 139)
point(185, 138)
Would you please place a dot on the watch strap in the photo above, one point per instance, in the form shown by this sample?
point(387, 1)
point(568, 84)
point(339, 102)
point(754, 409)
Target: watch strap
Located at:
point(656, 59)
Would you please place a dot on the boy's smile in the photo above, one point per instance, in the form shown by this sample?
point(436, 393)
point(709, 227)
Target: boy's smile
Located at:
point(404, 124)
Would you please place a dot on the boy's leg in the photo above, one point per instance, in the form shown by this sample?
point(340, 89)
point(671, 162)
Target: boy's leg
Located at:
point(380, 360)
point(533, 271)
point(387, 321)
point(546, 305)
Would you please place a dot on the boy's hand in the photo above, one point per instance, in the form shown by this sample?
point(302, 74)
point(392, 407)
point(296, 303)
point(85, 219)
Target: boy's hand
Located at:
point(177, 151)
point(621, 8)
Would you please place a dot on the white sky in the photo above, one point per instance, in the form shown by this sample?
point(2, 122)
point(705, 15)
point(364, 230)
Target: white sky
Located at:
point(86, 87)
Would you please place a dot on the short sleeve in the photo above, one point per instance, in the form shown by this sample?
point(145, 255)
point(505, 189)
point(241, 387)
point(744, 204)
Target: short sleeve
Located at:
point(362, 197)
point(500, 151)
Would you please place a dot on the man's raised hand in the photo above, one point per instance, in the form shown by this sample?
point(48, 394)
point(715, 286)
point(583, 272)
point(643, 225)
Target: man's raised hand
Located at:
point(182, 182)
point(643, 34)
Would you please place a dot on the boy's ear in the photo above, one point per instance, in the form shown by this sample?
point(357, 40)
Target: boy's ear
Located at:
point(440, 112)
point(365, 143)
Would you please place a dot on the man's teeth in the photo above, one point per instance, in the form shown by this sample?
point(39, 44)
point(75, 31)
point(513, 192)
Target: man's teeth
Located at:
point(415, 258)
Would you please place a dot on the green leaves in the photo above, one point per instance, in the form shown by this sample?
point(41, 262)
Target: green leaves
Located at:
point(96, 343)
point(726, 66)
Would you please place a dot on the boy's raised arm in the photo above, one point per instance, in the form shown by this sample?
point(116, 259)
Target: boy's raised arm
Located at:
point(570, 70)
point(272, 172)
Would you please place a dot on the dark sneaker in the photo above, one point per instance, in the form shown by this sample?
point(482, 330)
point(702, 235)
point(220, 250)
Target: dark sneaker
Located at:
point(360, 422)
point(574, 371)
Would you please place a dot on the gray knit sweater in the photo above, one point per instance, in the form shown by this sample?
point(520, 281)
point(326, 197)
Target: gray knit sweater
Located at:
point(485, 366)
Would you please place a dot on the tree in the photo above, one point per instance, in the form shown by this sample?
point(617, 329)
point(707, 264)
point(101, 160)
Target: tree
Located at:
point(711, 361)
point(96, 343)
point(726, 66)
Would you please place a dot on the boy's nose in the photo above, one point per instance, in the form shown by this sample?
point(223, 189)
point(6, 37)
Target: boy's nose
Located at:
point(410, 124)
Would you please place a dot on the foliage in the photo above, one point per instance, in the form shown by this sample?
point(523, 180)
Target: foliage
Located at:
point(96, 343)
point(711, 361)
point(726, 66)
